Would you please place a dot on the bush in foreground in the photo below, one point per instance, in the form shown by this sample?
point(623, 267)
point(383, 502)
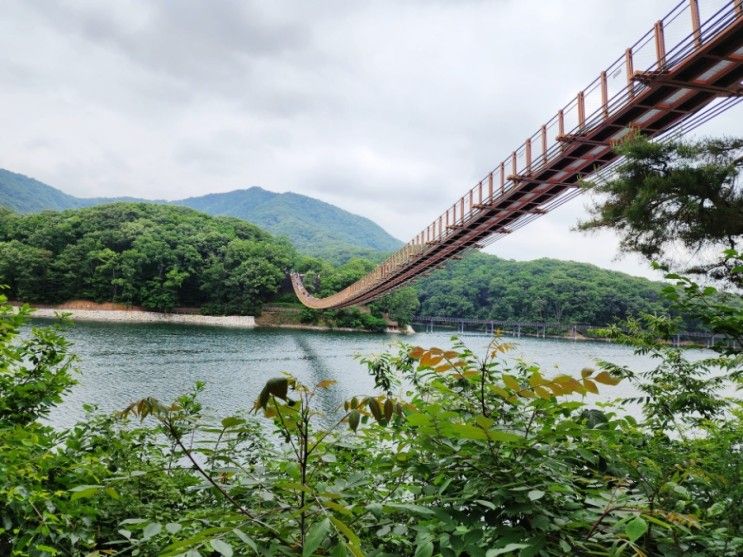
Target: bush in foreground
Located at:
point(452, 455)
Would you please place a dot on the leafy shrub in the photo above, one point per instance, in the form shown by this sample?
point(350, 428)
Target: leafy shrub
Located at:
point(453, 455)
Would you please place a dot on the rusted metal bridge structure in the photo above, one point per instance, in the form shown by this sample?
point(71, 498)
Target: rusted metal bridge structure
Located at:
point(682, 73)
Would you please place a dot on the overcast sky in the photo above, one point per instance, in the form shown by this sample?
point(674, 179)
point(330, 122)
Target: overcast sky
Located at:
point(391, 109)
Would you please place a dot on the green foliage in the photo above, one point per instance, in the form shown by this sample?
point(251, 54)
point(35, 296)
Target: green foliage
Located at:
point(400, 305)
point(312, 226)
point(485, 287)
point(155, 256)
point(34, 371)
point(667, 193)
point(720, 312)
point(456, 455)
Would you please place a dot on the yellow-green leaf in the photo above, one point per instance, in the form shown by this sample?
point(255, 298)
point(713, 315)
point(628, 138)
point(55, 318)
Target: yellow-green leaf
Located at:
point(541, 392)
point(607, 379)
point(389, 408)
point(354, 544)
point(416, 352)
point(590, 386)
point(354, 417)
point(376, 410)
point(511, 382)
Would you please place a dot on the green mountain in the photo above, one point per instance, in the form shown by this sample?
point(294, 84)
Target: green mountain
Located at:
point(314, 227)
point(26, 195)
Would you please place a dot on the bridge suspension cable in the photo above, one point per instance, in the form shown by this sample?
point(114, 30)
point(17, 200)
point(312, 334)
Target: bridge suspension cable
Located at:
point(677, 90)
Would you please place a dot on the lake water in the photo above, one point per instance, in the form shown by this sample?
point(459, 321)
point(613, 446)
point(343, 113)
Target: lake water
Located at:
point(120, 363)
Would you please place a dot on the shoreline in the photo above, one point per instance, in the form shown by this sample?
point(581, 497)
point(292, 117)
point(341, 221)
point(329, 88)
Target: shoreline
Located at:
point(138, 316)
point(142, 317)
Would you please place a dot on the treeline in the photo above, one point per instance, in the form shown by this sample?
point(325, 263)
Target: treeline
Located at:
point(154, 256)
point(482, 286)
point(161, 257)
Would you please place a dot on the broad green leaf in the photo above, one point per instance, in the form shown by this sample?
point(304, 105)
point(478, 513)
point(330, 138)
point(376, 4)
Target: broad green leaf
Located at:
point(152, 529)
point(418, 419)
point(503, 436)
point(315, 536)
point(173, 527)
point(466, 431)
point(247, 540)
point(424, 549)
point(337, 507)
point(511, 382)
point(535, 494)
point(410, 508)
point(180, 546)
point(84, 491)
point(221, 547)
point(483, 422)
point(716, 509)
point(232, 421)
point(510, 548)
point(339, 550)
point(354, 543)
point(635, 528)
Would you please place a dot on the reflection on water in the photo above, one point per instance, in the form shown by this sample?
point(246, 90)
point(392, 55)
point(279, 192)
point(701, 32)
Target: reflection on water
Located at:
point(125, 362)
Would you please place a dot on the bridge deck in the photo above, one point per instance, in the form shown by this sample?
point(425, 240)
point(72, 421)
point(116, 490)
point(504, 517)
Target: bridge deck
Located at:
point(679, 89)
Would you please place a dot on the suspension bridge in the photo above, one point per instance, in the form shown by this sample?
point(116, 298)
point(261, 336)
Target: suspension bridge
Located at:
point(682, 73)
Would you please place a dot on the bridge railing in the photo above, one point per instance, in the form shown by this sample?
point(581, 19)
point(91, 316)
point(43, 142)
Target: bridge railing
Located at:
point(599, 100)
point(611, 91)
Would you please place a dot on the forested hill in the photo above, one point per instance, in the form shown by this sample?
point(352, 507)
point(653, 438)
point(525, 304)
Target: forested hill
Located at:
point(483, 286)
point(314, 227)
point(156, 256)
point(160, 256)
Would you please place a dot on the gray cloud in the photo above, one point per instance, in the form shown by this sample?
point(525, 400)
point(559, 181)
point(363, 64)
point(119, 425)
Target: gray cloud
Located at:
point(389, 109)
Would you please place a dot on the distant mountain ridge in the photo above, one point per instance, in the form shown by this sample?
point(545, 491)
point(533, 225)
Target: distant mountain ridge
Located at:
point(313, 226)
